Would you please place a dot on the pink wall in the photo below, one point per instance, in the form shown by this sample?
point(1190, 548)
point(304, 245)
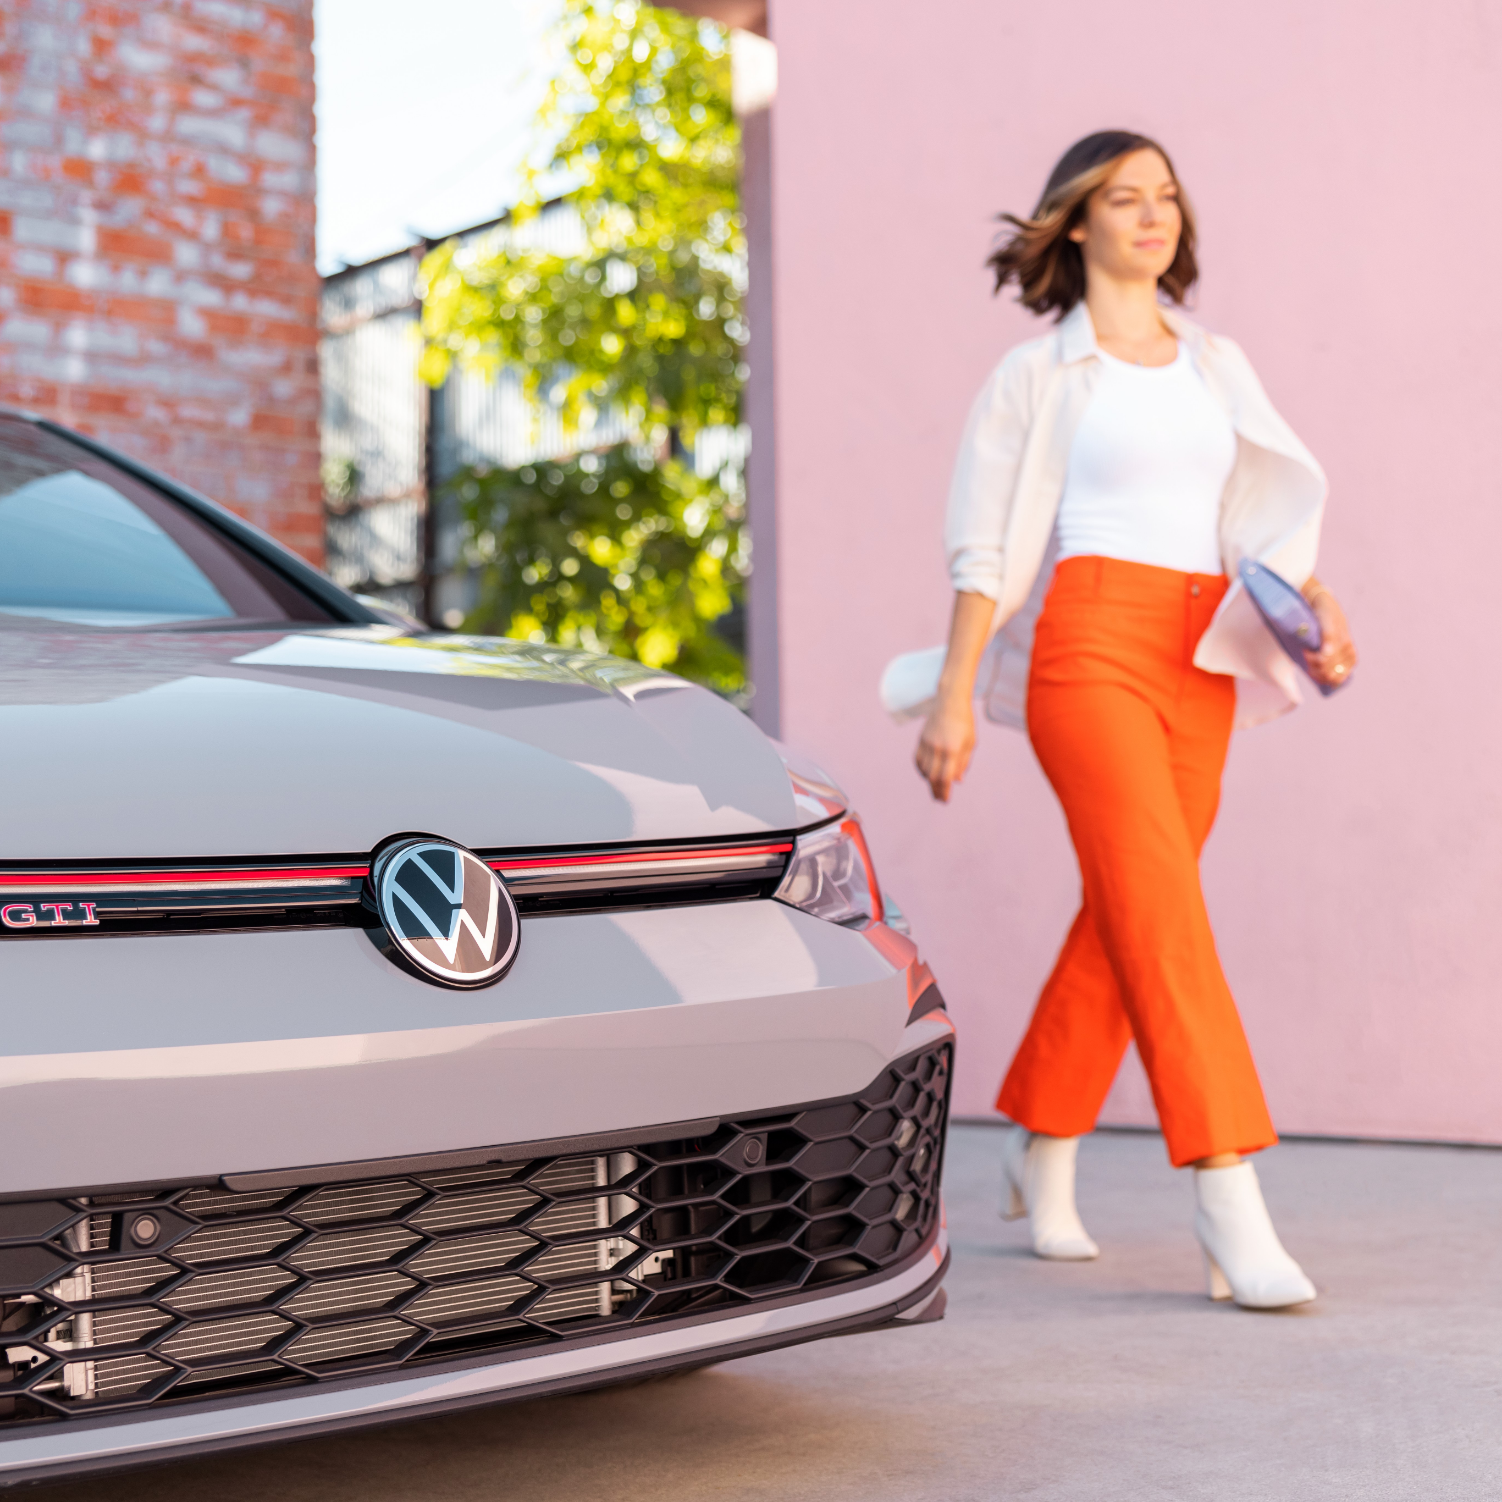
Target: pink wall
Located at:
point(1342, 158)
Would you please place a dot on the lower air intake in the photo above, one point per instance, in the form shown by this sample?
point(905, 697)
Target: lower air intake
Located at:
point(124, 1300)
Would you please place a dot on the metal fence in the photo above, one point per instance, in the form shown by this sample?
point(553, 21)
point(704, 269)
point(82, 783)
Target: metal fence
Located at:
point(390, 442)
point(373, 429)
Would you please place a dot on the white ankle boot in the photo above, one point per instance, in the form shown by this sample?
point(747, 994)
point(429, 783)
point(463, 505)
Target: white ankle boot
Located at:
point(1040, 1185)
point(1244, 1259)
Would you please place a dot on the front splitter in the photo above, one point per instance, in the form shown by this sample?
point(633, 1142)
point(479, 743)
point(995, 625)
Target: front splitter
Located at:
point(73, 1449)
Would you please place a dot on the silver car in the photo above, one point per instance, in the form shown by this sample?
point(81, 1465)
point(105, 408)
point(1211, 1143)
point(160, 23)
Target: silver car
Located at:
point(398, 1021)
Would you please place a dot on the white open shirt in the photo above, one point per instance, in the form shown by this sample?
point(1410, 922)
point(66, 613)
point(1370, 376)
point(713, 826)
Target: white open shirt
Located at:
point(1004, 501)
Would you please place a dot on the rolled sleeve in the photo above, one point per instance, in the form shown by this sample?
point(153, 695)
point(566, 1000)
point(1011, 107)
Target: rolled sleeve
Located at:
point(984, 483)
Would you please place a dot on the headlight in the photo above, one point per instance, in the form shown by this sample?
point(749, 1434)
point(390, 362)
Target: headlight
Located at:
point(831, 876)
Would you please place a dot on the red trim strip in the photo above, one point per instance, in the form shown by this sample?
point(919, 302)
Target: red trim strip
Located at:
point(253, 876)
point(716, 852)
point(241, 877)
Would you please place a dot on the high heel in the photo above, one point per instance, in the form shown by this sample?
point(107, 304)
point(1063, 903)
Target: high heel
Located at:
point(1244, 1260)
point(1013, 1155)
point(1039, 1183)
point(1215, 1279)
point(1016, 1207)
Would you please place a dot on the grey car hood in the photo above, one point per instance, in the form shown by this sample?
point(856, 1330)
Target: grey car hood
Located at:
point(169, 744)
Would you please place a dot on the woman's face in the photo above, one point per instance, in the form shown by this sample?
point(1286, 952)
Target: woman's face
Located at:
point(1132, 221)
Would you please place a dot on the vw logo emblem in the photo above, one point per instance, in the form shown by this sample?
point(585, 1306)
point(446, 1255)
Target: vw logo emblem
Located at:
point(447, 914)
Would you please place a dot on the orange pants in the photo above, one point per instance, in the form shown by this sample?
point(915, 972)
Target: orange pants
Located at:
point(1133, 738)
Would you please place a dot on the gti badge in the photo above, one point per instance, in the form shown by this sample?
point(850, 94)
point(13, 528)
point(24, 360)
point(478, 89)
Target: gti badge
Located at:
point(446, 913)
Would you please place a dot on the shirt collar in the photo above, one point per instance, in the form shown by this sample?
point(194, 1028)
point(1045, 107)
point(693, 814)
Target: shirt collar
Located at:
point(1185, 330)
point(1077, 332)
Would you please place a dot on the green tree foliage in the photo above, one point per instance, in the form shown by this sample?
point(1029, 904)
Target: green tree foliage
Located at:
point(612, 552)
point(625, 550)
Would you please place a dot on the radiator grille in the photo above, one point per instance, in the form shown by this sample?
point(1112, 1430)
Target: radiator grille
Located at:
point(238, 894)
point(238, 1291)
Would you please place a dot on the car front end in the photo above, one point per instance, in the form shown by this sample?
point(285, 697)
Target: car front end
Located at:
point(279, 1162)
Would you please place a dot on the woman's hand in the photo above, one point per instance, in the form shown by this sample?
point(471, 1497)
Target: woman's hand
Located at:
point(949, 732)
point(1336, 659)
point(946, 743)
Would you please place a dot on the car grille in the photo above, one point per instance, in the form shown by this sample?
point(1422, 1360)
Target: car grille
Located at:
point(42, 900)
point(235, 1291)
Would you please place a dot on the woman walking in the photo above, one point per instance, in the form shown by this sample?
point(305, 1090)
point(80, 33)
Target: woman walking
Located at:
point(1113, 473)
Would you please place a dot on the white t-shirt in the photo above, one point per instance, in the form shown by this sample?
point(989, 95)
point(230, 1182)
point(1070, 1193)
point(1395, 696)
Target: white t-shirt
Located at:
point(1149, 461)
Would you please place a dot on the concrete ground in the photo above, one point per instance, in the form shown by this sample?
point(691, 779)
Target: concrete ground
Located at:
point(1116, 1380)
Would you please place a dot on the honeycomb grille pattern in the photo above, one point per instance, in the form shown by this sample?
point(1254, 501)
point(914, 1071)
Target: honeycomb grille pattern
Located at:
point(127, 1300)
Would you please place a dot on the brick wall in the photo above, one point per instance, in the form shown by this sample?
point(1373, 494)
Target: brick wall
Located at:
point(157, 280)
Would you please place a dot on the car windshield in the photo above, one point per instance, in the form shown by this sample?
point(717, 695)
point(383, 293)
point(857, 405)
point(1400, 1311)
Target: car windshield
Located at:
point(83, 543)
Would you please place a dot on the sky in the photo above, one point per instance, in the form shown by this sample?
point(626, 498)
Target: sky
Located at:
point(424, 113)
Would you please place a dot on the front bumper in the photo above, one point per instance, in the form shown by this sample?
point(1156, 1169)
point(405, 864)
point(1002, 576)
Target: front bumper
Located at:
point(176, 1057)
point(904, 1296)
point(285, 1303)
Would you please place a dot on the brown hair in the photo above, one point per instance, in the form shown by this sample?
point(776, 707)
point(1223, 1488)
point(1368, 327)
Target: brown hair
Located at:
point(1045, 263)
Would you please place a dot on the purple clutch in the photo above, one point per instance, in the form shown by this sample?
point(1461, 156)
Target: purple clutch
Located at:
point(1287, 614)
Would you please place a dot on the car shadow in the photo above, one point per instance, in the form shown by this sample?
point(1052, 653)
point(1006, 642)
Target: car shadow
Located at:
point(721, 1431)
